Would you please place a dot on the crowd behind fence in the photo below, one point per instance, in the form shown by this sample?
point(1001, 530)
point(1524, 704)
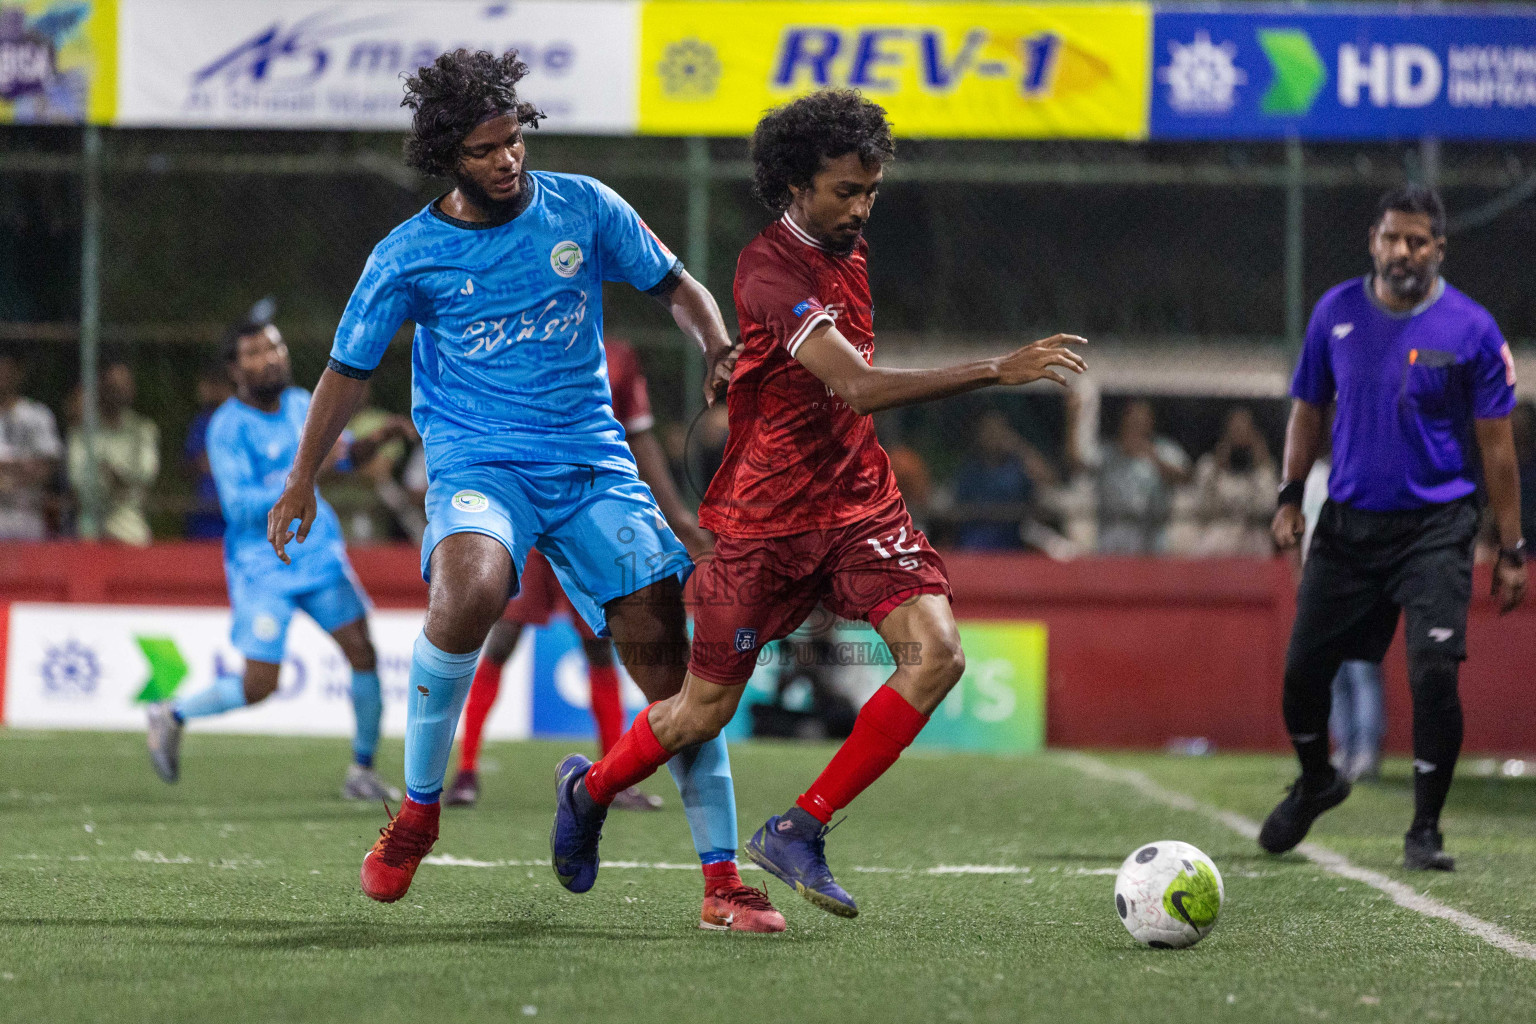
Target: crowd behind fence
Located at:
point(1162, 250)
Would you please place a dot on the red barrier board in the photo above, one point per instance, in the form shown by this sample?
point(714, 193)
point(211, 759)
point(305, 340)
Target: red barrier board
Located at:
point(1140, 650)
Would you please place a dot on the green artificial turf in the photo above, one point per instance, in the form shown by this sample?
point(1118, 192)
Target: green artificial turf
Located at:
point(233, 897)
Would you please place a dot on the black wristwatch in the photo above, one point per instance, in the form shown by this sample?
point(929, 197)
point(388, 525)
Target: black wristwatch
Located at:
point(1291, 493)
point(1514, 555)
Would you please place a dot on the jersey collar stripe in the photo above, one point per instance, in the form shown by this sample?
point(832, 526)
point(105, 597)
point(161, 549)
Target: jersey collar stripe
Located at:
point(798, 338)
point(799, 232)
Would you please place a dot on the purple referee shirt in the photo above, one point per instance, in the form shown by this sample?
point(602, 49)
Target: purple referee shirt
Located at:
point(1408, 387)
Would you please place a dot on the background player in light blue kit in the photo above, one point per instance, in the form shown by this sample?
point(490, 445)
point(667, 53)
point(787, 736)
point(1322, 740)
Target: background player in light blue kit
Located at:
point(503, 278)
point(252, 440)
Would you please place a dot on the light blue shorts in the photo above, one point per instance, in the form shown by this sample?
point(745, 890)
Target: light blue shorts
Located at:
point(260, 615)
point(600, 528)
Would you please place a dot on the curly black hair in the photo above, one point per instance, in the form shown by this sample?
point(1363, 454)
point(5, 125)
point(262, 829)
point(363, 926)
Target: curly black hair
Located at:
point(452, 95)
point(791, 141)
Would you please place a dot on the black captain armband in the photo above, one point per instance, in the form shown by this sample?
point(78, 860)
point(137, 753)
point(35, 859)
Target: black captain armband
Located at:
point(667, 285)
point(1291, 493)
point(347, 371)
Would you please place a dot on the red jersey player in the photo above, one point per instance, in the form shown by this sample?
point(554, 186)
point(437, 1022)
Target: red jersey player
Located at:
point(805, 506)
point(540, 595)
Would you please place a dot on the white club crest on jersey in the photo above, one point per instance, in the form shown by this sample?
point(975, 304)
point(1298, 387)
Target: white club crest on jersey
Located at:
point(1341, 331)
point(565, 258)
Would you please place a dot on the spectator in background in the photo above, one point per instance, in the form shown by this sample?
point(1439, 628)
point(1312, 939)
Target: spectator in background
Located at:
point(205, 520)
point(1235, 487)
point(29, 456)
point(995, 489)
point(127, 461)
point(1136, 475)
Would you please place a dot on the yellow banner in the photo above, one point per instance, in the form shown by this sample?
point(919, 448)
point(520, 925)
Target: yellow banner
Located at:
point(58, 61)
point(961, 70)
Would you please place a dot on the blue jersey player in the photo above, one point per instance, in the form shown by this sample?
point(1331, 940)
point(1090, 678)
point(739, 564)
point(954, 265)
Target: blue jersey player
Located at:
point(252, 440)
point(503, 278)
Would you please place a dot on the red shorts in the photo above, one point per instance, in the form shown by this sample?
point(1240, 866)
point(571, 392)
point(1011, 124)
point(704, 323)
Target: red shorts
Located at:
point(755, 590)
point(541, 596)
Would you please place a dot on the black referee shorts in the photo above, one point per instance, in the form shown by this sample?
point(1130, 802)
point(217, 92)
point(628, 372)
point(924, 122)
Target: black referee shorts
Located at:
point(1363, 567)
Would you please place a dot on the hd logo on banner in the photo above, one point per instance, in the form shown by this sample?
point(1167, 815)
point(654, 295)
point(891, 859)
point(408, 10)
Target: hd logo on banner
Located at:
point(1338, 73)
point(965, 70)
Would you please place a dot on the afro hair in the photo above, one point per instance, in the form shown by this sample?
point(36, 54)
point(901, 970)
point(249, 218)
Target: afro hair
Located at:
point(454, 94)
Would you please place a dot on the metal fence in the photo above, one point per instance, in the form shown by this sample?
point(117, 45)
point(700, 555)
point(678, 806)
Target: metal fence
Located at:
point(1193, 266)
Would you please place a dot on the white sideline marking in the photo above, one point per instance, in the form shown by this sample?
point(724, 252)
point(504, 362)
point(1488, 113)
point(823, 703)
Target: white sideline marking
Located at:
point(1334, 863)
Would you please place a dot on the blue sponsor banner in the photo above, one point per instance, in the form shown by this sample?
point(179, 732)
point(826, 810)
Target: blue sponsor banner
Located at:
point(1342, 73)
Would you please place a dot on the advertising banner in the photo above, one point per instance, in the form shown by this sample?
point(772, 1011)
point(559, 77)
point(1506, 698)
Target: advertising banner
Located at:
point(958, 70)
point(73, 666)
point(1344, 73)
point(56, 61)
point(313, 64)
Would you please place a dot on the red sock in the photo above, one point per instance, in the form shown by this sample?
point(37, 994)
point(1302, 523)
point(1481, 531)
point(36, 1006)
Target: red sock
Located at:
point(607, 707)
point(886, 727)
point(721, 875)
point(482, 694)
point(633, 759)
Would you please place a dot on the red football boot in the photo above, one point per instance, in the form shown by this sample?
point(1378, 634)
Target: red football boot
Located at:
point(391, 864)
point(730, 905)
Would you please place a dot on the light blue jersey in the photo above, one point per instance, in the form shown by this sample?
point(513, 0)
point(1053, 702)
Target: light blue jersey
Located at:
point(507, 364)
point(251, 452)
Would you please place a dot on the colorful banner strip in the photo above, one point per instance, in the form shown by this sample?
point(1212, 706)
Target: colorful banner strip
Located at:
point(959, 70)
point(711, 67)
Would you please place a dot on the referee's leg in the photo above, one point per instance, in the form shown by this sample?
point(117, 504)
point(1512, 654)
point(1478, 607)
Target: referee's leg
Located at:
point(1434, 586)
point(1342, 612)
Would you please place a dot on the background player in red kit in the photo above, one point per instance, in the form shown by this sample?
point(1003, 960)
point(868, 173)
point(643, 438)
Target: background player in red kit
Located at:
point(540, 596)
point(805, 507)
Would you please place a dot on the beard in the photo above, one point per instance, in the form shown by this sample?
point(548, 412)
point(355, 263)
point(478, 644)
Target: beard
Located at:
point(269, 391)
point(1406, 282)
point(497, 211)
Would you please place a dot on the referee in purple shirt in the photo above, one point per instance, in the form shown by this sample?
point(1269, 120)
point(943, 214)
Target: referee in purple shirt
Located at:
point(1423, 381)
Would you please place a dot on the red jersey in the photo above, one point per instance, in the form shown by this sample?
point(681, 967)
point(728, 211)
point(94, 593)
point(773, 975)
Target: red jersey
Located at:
point(798, 458)
point(631, 403)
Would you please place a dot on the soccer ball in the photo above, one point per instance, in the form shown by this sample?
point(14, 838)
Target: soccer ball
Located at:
point(1168, 895)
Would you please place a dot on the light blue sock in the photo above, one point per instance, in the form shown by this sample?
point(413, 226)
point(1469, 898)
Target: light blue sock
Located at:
point(439, 685)
point(226, 694)
point(368, 708)
point(703, 777)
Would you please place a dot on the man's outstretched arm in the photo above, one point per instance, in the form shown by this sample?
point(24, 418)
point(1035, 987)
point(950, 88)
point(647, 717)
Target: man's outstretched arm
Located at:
point(866, 389)
point(331, 407)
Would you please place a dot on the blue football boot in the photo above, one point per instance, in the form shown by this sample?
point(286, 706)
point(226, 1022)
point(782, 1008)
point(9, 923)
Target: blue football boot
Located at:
point(574, 836)
point(800, 862)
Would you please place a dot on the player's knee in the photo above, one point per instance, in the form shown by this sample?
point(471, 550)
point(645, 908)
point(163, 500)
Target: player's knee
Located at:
point(465, 611)
point(941, 666)
point(259, 687)
point(362, 657)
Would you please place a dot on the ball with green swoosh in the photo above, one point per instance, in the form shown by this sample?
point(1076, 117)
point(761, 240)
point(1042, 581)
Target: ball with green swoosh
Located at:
point(1168, 894)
